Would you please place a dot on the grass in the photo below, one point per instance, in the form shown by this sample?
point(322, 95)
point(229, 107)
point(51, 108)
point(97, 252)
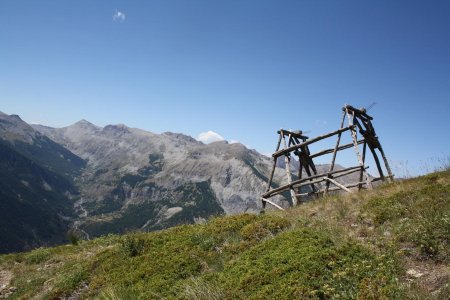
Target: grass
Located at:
point(354, 246)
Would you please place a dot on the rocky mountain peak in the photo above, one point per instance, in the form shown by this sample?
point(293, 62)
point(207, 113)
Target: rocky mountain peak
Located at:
point(116, 129)
point(13, 128)
point(85, 125)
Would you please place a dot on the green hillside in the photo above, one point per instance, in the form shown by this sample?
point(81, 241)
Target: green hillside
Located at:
point(32, 200)
point(390, 243)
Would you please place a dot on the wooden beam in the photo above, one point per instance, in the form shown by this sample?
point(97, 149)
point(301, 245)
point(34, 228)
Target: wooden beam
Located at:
point(349, 172)
point(357, 111)
point(274, 204)
point(292, 133)
point(285, 187)
point(295, 147)
point(328, 151)
point(351, 185)
point(274, 164)
point(287, 161)
point(335, 151)
point(355, 144)
point(337, 184)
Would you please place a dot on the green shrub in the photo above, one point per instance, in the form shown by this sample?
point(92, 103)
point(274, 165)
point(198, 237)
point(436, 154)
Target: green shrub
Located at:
point(267, 225)
point(132, 245)
point(37, 256)
point(73, 237)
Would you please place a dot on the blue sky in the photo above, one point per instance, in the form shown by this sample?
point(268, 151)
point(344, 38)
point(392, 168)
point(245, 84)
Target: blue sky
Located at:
point(242, 69)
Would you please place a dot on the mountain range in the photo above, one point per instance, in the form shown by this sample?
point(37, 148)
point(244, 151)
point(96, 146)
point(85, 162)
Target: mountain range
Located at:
point(94, 180)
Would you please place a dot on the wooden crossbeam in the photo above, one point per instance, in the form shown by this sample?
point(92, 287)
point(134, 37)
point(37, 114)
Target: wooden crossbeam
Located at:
point(306, 181)
point(273, 203)
point(306, 143)
point(331, 150)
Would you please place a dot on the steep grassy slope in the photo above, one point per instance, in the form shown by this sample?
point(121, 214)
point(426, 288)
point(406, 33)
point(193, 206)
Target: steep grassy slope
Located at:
point(390, 243)
point(33, 203)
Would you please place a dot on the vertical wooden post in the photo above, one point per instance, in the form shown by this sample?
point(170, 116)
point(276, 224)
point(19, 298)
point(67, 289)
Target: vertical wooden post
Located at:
point(391, 176)
point(377, 162)
point(333, 160)
point(355, 144)
point(361, 174)
point(269, 183)
point(287, 161)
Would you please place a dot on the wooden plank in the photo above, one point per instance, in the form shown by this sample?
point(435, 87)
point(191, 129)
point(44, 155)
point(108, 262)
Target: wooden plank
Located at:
point(355, 144)
point(285, 187)
point(386, 164)
point(337, 184)
point(335, 150)
point(274, 164)
point(292, 133)
point(328, 151)
point(351, 185)
point(274, 204)
point(349, 172)
point(287, 161)
point(357, 111)
point(295, 147)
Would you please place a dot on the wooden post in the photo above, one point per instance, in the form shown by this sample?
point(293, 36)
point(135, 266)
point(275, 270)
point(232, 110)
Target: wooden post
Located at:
point(269, 183)
point(333, 160)
point(391, 176)
point(355, 144)
point(287, 161)
point(361, 174)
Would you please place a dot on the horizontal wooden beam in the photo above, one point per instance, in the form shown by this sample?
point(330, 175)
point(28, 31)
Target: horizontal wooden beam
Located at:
point(328, 151)
point(349, 172)
point(357, 111)
point(292, 133)
point(305, 181)
point(350, 185)
point(310, 141)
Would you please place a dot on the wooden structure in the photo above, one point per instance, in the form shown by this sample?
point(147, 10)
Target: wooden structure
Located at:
point(296, 143)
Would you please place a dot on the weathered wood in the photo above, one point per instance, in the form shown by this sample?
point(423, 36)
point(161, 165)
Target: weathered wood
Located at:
point(328, 151)
point(359, 122)
point(337, 184)
point(310, 141)
point(388, 168)
point(274, 204)
point(285, 187)
point(287, 161)
point(357, 111)
point(348, 172)
point(361, 174)
point(333, 189)
point(269, 184)
point(272, 172)
point(377, 161)
point(355, 144)
point(292, 133)
point(335, 150)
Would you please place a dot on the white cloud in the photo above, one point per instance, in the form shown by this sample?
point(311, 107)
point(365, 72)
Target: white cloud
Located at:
point(233, 141)
point(209, 137)
point(119, 16)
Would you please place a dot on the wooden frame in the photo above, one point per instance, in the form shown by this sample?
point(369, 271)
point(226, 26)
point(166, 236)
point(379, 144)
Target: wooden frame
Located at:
point(295, 143)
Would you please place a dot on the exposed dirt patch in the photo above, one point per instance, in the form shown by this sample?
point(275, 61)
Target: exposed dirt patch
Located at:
point(430, 276)
point(5, 280)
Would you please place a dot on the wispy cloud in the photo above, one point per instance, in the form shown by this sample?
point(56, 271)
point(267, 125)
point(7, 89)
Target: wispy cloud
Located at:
point(209, 137)
point(119, 16)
